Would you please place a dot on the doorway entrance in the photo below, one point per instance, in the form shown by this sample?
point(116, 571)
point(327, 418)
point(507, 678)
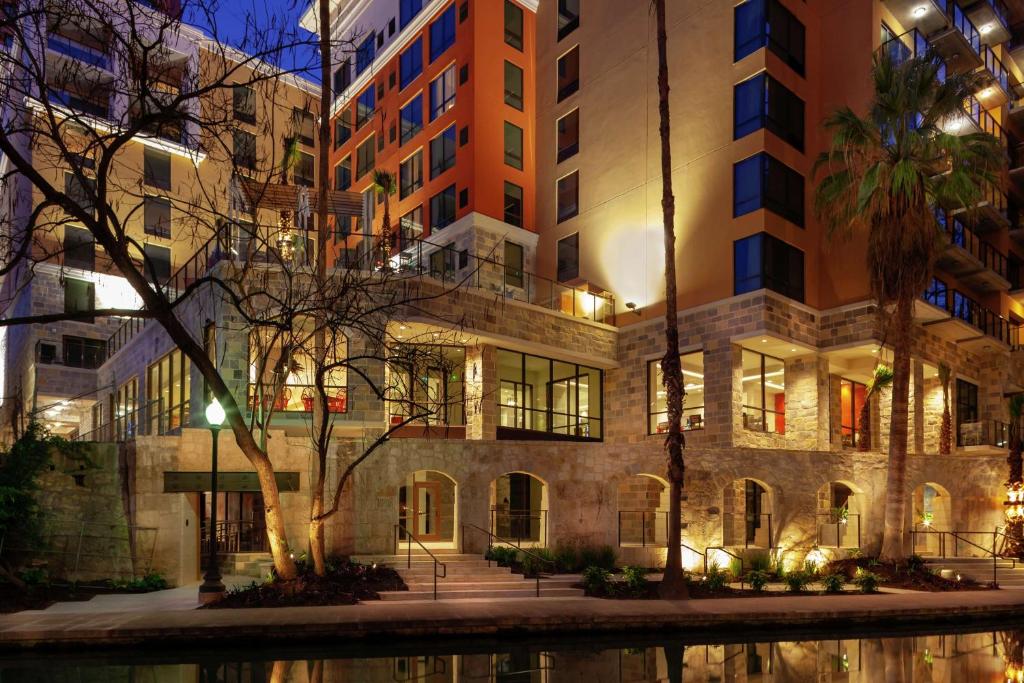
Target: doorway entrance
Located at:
point(426, 508)
point(241, 526)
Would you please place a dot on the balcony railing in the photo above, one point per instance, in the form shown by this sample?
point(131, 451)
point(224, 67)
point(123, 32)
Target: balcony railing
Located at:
point(908, 45)
point(297, 398)
point(984, 121)
point(838, 529)
point(983, 433)
point(78, 103)
point(149, 418)
point(964, 25)
point(71, 48)
point(995, 67)
point(520, 526)
point(643, 528)
point(961, 236)
point(750, 530)
point(966, 309)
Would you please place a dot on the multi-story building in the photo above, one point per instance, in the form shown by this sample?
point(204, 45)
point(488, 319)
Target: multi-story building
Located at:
point(516, 169)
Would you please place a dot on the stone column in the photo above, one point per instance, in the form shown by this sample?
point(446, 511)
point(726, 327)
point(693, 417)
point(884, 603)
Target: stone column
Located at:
point(835, 413)
point(804, 426)
point(916, 422)
point(481, 392)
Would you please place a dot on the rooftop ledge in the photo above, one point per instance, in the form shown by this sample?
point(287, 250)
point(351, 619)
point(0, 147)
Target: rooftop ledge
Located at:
point(197, 156)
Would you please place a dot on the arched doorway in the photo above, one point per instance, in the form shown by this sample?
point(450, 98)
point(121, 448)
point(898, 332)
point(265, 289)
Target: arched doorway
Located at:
point(838, 517)
point(643, 511)
point(747, 515)
point(931, 512)
point(427, 508)
point(519, 509)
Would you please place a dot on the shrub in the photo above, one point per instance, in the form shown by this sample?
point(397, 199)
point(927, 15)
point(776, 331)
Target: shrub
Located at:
point(855, 553)
point(867, 581)
point(597, 581)
point(915, 563)
point(503, 555)
point(34, 576)
point(567, 558)
point(796, 582)
point(606, 557)
point(761, 562)
point(536, 561)
point(152, 581)
point(758, 579)
point(597, 556)
point(833, 583)
point(635, 579)
point(716, 579)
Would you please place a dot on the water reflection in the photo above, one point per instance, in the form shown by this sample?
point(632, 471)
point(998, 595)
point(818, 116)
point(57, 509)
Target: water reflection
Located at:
point(996, 657)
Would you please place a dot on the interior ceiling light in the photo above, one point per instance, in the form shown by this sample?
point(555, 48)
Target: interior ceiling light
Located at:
point(920, 11)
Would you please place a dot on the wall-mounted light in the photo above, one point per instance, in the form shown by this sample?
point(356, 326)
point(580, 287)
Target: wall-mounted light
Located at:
point(633, 307)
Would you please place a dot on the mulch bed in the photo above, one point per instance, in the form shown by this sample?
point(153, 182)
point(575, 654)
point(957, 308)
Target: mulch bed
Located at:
point(15, 599)
point(344, 584)
point(910, 576)
point(698, 591)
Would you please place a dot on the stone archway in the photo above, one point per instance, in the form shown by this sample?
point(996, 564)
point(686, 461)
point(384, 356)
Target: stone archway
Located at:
point(519, 509)
point(931, 512)
point(839, 515)
point(428, 508)
point(747, 515)
point(643, 511)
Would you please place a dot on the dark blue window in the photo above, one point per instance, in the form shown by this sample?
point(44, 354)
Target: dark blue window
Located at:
point(763, 102)
point(765, 262)
point(411, 118)
point(407, 11)
point(410, 63)
point(763, 182)
point(766, 22)
point(442, 33)
point(364, 106)
point(937, 294)
point(365, 53)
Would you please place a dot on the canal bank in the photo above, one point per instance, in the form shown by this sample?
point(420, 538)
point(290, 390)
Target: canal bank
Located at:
point(169, 626)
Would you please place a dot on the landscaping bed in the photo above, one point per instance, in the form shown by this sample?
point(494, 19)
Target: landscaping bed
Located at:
point(39, 592)
point(345, 583)
point(911, 575)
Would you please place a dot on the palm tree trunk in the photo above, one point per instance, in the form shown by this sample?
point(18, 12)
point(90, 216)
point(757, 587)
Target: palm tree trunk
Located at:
point(673, 585)
point(864, 427)
point(896, 482)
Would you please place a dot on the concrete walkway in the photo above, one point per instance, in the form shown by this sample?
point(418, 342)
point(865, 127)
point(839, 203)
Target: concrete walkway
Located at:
point(168, 621)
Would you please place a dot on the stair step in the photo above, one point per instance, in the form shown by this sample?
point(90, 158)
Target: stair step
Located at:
point(528, 584)
point(485, 593)
point(481, 578)
point(441, 555)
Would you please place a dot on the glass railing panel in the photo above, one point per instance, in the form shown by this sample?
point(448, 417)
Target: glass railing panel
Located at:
point(70, 48)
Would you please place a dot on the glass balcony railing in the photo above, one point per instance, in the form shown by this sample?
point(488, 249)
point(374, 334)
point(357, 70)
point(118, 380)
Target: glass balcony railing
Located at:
point(908, 45)
point(966, 309)
point(75, 50)
point(78, 103)
point(961, 236)
point(964, 25)
point(983, 433)
point(995, 67)
point(984, 121)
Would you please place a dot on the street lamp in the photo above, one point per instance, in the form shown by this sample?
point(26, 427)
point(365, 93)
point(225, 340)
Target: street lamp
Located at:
point(212, 588)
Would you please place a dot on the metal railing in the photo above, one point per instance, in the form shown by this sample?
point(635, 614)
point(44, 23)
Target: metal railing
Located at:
point(298, 398)
point(756, 523)
point(964, 25)
point(409, 538)
point(236, 536)
point(650, 531)
point(842, 524)
point(995, 67)
point(986, 123)
point(959, 235)
point(491, 538)
point(908, 45)
point(724, 551)
point(955, 539)
point(522, 525)
point(983, 433)
point(962, 307)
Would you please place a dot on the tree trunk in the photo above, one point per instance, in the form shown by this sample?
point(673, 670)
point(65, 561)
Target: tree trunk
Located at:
point(864, 427)
point(896, 482)
point(277, 537)
point(673, 585)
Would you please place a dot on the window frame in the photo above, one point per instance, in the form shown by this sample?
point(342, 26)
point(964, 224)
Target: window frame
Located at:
point(154, 228)
point(411, 69)
point(570, 87)
point(514, 37)
point(447, 102)
point(414, 162)
point(564, 275)
point(763, 409)
point(443, 34)
point(368, 143)
point(506, 210)
point(442, 151)
point(435, 200)
point(513, 98)
point(513, 159)
point(653, 370)
point(569, 151)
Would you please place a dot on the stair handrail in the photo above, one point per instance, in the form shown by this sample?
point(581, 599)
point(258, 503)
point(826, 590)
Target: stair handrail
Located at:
point(727, 552)
point(957, 536)
point(997, 533)
point(410, 537)
point(491, 536)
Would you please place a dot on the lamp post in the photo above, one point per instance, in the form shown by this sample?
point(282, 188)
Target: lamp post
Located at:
point(212, 588)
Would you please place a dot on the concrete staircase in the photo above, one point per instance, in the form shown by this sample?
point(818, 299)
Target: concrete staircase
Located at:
point(1010, 574)
point(468, 576)
point(257, 565)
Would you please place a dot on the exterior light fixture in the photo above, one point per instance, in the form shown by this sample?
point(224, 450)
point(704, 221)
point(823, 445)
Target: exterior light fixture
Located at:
point(920, 11)
point(1014, 502)
point(632, 307)
point(212, 588)
point(987, 28)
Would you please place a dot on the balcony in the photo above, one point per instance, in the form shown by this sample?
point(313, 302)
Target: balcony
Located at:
point(991, 212)
point(959, 43)
point(967, 322)
point(68, 47)
point(973, 260)
point(909, 45)
point(983, 435)
point(79, 103)
point(927, 16)
point(992, 19)
point(997, 78)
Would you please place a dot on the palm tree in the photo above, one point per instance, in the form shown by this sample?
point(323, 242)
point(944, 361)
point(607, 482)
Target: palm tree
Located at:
point(673, 584)
point(884, 173)
point(946, 430)
point(384, 183)
point(881, 379)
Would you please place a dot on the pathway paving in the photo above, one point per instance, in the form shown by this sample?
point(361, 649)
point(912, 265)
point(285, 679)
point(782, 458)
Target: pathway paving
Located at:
point(165, 619)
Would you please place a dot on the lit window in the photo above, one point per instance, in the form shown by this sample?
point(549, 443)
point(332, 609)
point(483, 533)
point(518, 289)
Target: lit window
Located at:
point(693, 401)
point(546, 395)
point(764, 393)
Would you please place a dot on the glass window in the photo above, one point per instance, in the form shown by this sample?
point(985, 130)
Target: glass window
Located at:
point(513, 146)
point(126, 401)
point(513, 86)
point(79, 248)
point(568, 196)
point(342, 77)
point(427, 380)
point(410, 174)
point(244, 149)
point(157, 263)
point(365, 104)
point(545, 395)
point(569, 73)
point(168, 384)
point(967, 427)
point(365, 53)
point(157, 216)
point(765, 262)
point(244, 103)
point(411, 119)
point(852, 397)
point(442, 152)
point(411, 224)
point(442, 208)
point(82, 352)
point(513, 25)
point(304, 173)
point(762, 182)
point(304, 126)
point(365, 157)
point(568, 135)
point(937, 294)
point(343, 174)
point(764, 393)
point(156, 168)
point(763, 102)
point(513, 204)
point(568, 17)
point(693, 401)
point(79, 297)
point(281, 361)
point(410, 63)
point(81, 190)
point(767, 22)
point(442, 93)
point(513, 264)
point(442, 33)
point(407, 10)
point(568, 258)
